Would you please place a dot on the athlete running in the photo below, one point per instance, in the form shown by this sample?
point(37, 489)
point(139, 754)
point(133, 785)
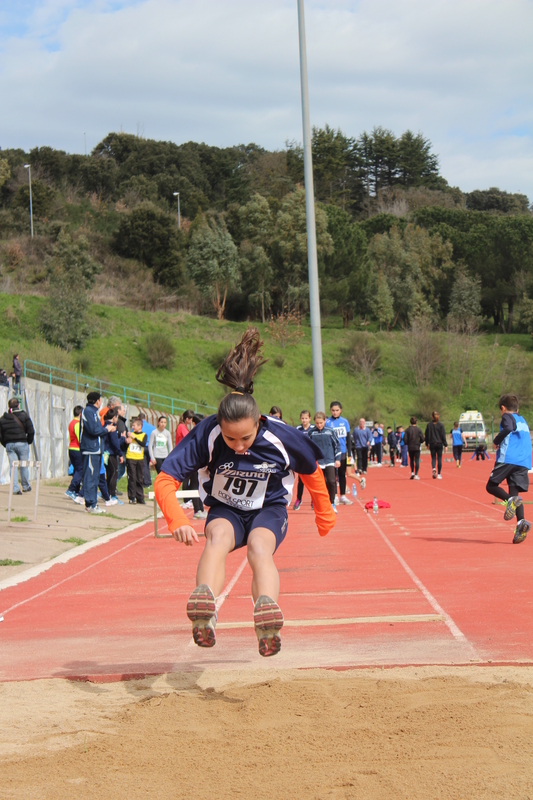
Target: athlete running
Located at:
point(246, 466)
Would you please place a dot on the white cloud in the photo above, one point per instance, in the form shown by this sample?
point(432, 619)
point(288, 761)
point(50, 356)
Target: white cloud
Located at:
point(226, 71)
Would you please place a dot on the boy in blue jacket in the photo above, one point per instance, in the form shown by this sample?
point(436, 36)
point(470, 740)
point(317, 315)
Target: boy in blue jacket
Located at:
point(513, 462)
point(327, 442)
point(91, 433)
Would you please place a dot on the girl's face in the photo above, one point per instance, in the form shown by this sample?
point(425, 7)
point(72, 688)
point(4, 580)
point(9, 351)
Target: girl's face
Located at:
point(305, 420)
point(276, 414)
point(320, 422)
point(239, 436)
point(162, 424)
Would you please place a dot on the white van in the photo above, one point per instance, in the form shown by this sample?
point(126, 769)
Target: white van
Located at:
point(473, 428)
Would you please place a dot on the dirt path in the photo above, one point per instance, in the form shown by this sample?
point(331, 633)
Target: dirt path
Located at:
point(416, 733)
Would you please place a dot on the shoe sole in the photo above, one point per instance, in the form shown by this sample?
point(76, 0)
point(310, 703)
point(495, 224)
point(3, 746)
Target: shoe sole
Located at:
point(521, 535)
point(512, 505)
point(201, 608)
point(268, 621)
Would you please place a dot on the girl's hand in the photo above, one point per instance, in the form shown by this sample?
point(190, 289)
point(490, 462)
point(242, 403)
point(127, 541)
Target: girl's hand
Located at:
point(337, 464)
point(186, 534)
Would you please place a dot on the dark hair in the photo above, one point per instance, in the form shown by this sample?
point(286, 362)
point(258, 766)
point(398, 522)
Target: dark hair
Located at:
point(435, 416)
point(136, 419)
point(76, 411)
point(13, 403)
point(111, 413)
point(275, 410)
point(389, 428)
point(237, 372)
point(142, 415)
point(305, 411)
point(197, 418)
point(335, 403)
point(319, 415)
point(160, 418)
point(188, 414)
point(455, 424)
point(413, 420)
point(510, 401)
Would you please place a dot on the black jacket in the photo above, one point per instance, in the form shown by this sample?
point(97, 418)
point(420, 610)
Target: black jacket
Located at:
point(435, 434)
point(413, 437)
point(16, 426)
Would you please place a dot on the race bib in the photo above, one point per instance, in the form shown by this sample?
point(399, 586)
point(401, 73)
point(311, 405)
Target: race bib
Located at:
point(160, 442)
point(239, 488)
point(136, 448)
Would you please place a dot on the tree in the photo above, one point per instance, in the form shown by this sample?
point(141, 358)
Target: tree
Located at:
point(256, 228)
point(465, 299)
point(382, 305)
point(71, 271)
point(346, 269)
point(5, 172)
point(213, 262)
point(494, 199)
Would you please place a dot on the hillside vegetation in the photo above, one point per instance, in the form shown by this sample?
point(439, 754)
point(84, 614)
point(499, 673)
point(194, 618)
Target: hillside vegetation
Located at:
point(373, 374)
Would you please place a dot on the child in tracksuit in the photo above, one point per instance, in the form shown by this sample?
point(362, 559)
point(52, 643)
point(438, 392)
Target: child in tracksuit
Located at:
point(392, 441)
point(136, 441)
point(328, 443)
point(513, 461)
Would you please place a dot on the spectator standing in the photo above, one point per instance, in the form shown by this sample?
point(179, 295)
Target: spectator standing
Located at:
point(328, 444)
point(74, 453)
point(276, 412)
point(112, 452)
point(16, 434)
point(91, 447)
point(191, 483)
point(159, 444)
point(435, 438)
point(4, 380)
point(113, 402)
point(458, 440)
point(17, 372)
point(147, 429)
point(184, 426)
point(392, 441)
point(136, 441)
point(362, 441)
point(341, 426)
point(413, 438)
point(305, 426)
point(403, 447)
point(377, 433)
point(122, 432)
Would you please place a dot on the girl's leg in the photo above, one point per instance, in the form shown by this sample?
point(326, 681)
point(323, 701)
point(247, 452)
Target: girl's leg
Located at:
point(433, 458)
point(439, 461)
point(331, 483)
point(412, 460)
point(417, 461)
point(219, 541)
point(260, 550)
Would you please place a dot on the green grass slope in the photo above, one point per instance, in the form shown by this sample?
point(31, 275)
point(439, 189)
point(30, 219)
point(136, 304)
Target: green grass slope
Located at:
point(116, 352)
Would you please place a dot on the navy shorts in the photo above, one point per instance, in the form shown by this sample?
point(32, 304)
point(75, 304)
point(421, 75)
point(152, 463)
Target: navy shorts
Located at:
point(516, 476)
point(274, 518)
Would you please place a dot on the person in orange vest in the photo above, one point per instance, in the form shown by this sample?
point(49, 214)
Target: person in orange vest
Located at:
point(74, 454)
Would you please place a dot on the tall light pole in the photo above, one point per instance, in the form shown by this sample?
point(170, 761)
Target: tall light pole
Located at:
point(85, 142)
point(312, 261)
point(177, 194)
point(28, 167)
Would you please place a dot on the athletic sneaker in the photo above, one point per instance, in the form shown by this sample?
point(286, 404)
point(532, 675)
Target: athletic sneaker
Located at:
point(412, 476)
point(417, 478)
point(95, 510)
point(71, 495)
point(512, 504)
point(268, 621)
point(439, 477)
point(188, 504)
point(344, 501)
point(336, 500)
point(363, 483)
point(119, 502)
point(434, 473)
point(457, 464)
point(200, 515)
point(202, 611)
point(112, 501)
point(521, 531)
point(297, 505)
point(79, 500)
point(334, 507)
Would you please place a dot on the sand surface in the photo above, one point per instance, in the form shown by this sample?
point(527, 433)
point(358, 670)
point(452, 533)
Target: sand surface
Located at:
point(398, 733)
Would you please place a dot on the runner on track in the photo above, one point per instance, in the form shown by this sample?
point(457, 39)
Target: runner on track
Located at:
point(458, 441)
point(246, 466)
point(341, 426)
point(513, 460)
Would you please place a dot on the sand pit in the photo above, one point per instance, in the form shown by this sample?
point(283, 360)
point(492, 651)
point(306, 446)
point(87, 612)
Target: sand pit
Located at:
point(399, 733)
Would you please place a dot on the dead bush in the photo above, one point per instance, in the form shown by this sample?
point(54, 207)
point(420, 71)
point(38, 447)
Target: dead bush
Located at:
point(363, 355)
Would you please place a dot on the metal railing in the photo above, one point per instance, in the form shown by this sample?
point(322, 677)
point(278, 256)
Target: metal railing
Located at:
point(84, 383)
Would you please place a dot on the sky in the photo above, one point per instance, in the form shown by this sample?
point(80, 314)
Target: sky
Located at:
point(227, 72)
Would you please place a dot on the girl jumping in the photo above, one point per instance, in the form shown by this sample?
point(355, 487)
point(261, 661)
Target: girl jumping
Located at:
point(246, 465)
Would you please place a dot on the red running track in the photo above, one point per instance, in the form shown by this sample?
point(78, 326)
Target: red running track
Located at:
point(432, 580)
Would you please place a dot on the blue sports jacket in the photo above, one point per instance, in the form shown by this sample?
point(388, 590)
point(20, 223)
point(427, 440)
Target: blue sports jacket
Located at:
point(91, 431)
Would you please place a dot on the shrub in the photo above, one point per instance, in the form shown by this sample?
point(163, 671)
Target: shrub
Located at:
point(362, 355)
point(160, 350)
point(279, 361)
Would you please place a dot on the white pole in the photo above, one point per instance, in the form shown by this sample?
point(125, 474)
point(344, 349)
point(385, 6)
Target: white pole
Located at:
point(28, 167)
point(314, 295)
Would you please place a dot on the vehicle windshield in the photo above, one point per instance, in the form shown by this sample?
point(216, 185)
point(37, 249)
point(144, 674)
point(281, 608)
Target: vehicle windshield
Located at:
point(472, 427)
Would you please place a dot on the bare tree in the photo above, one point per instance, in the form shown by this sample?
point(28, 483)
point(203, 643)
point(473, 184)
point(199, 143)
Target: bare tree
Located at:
point(421, 352)
point(363, 355)
point(462, 339)
point(286, 328)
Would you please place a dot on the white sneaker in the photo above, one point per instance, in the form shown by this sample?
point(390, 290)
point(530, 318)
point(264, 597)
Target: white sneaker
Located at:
point(112, 501)
point(416, 478)
point(439, 477)
point(344, 501)
point(334, 507)
point(336, 500)
point(79, 500)
point(188, 504)
point(200, 515)
point(95, 510)
point(363, 483)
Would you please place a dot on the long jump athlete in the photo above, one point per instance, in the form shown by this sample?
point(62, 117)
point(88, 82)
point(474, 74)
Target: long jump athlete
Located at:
point(246, 464)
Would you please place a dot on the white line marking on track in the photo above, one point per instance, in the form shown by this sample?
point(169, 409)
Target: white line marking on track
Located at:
point(454, 630)
point(75, 575)
point(338, 594)
point(328, 621)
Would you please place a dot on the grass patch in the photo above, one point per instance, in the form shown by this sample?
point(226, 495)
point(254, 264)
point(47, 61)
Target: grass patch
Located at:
point(8, 562)
point(19, 519)
point(73, 540)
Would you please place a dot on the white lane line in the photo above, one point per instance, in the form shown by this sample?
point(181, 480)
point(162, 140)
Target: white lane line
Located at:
point(75, 575)
point(328, 622)
point(338, 594)
point(225, 592)
point(454, 630)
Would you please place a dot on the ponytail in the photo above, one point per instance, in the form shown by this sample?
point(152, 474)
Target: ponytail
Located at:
point(237, 371)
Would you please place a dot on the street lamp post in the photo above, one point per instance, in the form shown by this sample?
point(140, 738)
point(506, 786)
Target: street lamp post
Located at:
point(28, 167)
point(312, 261)
point(177, 194)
